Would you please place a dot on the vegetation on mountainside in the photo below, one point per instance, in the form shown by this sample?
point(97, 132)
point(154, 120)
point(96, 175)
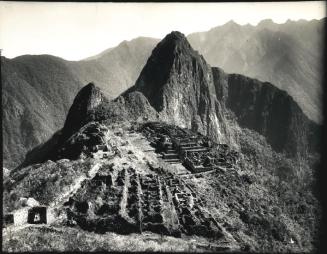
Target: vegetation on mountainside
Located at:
point(287, 55)
point(43, 182)
point(38, 91)
point(268, 202)
point(73, 239)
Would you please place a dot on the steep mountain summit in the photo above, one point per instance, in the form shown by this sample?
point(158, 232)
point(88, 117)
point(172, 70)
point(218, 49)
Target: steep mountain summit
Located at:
point(217, 161)
point(186, 91)
point(171, 57)
point(78, 133)
point(178, 84)
point(88, 98)
point(39, 89)
point(167, 56)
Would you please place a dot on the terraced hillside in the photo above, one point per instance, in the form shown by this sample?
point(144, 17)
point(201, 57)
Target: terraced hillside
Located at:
point(182, 157)
point(126, 190)
point(131, 202)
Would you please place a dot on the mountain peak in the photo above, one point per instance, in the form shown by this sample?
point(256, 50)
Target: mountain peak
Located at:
point(88, 98)
point(89, 87)
point(266, 22)
point(174, 41)
point(231, 23)
point(170, 58)
point(175, 35)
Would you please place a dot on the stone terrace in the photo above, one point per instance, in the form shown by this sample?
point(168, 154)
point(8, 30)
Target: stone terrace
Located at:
point(128, 202)
point(195, 151)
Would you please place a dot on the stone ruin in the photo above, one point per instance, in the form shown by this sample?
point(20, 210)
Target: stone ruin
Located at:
point(128, 202)
point(37, 215)
point(197, 152)
point(34, 215)
point(89, 139)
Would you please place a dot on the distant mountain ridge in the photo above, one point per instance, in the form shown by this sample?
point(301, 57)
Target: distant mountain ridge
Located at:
point(111, 169)
point(38, 91)
point(36, 95)
point(288, 55)
point(186, 91)
point(177, 86)
point(116, 69)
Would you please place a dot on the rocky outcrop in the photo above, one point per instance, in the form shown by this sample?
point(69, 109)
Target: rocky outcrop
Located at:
point(178, 84)
point(185, 91)
point(269, 111)
point(86, 141)
point(70, 141)
point(39, 89)
point(88, 98)
point(134, 106)
point(287, 55)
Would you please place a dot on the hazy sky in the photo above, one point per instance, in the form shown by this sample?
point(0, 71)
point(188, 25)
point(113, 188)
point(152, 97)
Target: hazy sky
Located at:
point(78, 30)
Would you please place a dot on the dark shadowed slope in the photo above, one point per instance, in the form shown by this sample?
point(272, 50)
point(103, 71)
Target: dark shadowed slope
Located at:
point(178, 84)
point(288, 55)
point(88, 98)
point(63, 142)
point(38, 91)
point(263, 195)
point(36, 94)
point(186, 91)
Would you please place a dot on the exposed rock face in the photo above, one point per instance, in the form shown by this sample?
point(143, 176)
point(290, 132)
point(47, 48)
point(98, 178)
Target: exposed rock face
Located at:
point(178, 84)
point(39, 89)
point(76, 135)
point(5, 172)
point(272, 113)
point(287, 55)
point(83, 141)
point(88, 98)
point(186, 91)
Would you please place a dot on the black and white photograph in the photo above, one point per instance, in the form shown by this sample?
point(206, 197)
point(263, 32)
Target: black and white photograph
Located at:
point(162, 126)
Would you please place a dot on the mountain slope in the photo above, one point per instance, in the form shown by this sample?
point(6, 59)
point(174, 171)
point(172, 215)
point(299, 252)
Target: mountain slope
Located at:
point(38, 91)
point(35, 102)
point(258, 203)
point(177, 82)
point(115, 70)
point(111, 170)
point(73, 139)
point(288, 55)
point(271, 112)
point(177, 86)
point(187, 92)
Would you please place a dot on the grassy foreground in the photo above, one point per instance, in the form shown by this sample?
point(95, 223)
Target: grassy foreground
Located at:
point(49, 238)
